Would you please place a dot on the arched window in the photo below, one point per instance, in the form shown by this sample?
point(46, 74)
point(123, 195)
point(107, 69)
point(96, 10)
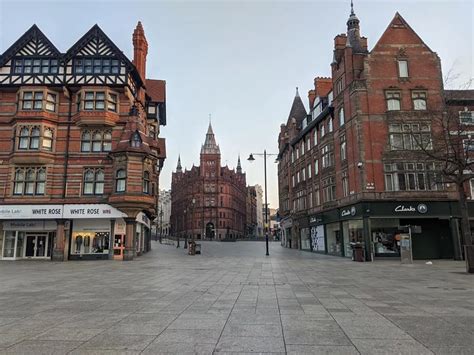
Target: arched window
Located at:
point(93, 182)
point(48, 139)
point(40, 181)
point(136, 140)
point(99, 182)
point(97, 141)
point(342, 120)
point(34, 138)
point(107, 141)
point(120, 180)
point(23, 142)
point(146, 182)
point(86, 141)
point(89, 182)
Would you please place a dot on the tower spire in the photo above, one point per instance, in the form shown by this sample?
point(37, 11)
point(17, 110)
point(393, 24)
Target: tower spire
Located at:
point(210, 146)
point(179, 169)
point(352, 8)
point(239, 166)
point(297, 92)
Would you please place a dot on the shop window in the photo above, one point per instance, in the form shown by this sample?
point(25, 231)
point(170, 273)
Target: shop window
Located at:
point(120, 180)
point(393, 100)
point(29, 181)
point(146, 182)
point(402, 68)
point(342, 120)
point(96, 141)
point(412, 177)
point(419, 100)
point(94, 182)
point(89, 242)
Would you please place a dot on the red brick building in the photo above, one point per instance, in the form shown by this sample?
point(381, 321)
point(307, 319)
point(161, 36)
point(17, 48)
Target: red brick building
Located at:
point(80, 152)
point(209, 201)
point(352, 170)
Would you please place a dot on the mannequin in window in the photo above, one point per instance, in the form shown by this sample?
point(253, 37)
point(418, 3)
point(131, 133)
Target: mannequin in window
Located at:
point(78, 244)
point(87, 243)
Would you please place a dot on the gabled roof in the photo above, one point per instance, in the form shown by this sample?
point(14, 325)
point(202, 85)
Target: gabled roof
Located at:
point(156, 90)
point(96, 32)
point(398, 22)
point(40, 43)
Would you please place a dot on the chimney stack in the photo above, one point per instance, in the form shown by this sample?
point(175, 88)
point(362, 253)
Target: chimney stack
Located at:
point(140, 50)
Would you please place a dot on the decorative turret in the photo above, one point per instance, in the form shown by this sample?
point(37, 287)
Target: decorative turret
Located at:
point(140, 50)
point(298, 111)
point(353, 33)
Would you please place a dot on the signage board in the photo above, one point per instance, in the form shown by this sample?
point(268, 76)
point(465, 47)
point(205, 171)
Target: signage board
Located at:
point(31, 211)
point(143, 219)
point(91, 211)
point(29, 225)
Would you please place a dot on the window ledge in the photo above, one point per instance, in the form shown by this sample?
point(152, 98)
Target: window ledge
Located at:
point(84, 118)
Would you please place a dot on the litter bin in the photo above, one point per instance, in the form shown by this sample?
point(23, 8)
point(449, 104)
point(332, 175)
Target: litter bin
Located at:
point(358, 252)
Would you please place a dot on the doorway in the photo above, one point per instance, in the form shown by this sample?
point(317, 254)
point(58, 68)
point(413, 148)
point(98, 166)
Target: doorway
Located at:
point(210, 230)
point(36, 246)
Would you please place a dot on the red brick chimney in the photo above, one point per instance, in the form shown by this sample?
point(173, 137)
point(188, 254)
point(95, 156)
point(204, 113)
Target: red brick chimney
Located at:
point(140, 50)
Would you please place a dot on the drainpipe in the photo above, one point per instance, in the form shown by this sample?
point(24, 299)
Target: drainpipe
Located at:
point(68, 137)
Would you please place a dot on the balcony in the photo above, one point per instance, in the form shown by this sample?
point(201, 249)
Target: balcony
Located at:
point(102, 118)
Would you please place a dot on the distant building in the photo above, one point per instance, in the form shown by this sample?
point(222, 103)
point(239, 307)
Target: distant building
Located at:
point(162, 221)
point(251, 218)
point(260, 221)
point(209, 201)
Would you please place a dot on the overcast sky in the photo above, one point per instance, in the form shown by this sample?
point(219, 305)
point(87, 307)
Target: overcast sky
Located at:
point(239, 60)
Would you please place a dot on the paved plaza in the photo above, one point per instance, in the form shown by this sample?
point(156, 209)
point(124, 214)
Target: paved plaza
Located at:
point(233, 299)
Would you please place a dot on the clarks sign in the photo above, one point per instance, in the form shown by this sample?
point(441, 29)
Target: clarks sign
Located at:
point(420, 208)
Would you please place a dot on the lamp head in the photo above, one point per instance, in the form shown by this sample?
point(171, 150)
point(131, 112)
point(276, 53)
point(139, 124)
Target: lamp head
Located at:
point(251, 158)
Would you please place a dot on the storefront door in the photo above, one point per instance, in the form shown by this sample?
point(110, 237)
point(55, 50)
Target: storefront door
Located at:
point(36, 245)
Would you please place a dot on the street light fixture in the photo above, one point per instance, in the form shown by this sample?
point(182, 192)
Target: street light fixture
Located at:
point(251, 159)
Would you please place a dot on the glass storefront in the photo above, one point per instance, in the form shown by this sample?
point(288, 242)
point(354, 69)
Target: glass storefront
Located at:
point(90, 238)
point(26, 244)
point(352, 231)
point(385, 236)
point(305, 239)
point(317, 238)
point(334, 239)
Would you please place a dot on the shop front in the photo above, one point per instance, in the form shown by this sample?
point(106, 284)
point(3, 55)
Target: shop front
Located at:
point(378, 228)
point(286, 225)
point(143, 236)
point(29, 231)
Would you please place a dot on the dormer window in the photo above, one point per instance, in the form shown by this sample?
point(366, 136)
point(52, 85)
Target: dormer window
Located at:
point(96, 66)
point(136, 140)
point(36, 66)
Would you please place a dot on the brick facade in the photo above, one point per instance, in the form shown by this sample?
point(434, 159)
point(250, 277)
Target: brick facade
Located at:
point(209, 201)
point(80, 127)
point(358, 145)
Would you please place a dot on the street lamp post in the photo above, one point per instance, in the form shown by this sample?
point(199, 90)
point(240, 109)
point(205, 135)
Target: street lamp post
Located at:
point(192, 248)
point(251, 159)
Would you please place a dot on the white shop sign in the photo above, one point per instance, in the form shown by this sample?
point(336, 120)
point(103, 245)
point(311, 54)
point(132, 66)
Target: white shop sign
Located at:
point(31, 211)
point(29, 225)
point(143, 219)
point(91, 211)
point(91, 225)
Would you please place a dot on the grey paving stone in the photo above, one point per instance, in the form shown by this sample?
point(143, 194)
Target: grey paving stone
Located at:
point(321, 350)
point(109, 341)
point(252, 330)
point(389, 346)
point(179, 348)
point(40, 347)
point(312, 337)
point(69, 334)
point(196, 336)
point(250, 344)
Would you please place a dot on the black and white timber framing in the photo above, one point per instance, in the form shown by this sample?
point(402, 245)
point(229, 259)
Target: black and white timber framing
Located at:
point(34, 60)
